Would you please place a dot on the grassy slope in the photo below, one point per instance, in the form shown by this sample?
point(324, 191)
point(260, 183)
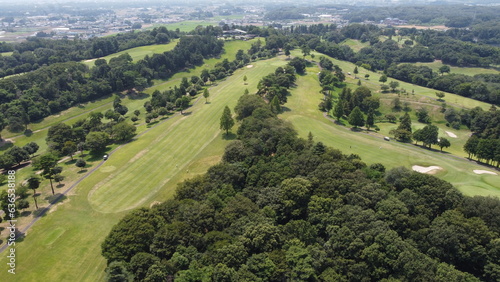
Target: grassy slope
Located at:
point(133, 103)
point(139, 52)
point(355, 45)
point(467, 71)
point(305, 116)
point(193, 142)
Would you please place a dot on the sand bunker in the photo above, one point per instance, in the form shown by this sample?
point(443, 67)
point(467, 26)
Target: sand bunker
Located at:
point(451, 134)
point(89, 60)
point(479, 171)
point(250, 66)
point(429, 169)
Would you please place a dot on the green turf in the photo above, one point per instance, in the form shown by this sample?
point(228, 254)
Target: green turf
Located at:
point(6, 53)
point(460, 70)
point(192, 142)
point(355, 45)
point(304, 114)
point(138, 53)
point(374, 84)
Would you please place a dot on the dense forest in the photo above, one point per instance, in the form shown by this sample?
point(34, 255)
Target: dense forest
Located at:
point(450, 15)
point(282, 208)
point(36, 52)
point(37, 94)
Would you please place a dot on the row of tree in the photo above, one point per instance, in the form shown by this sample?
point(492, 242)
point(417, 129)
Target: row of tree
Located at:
point(36, 52)
point(484, 142)
point(35, 95)
point(482, 87)
point(282, 208)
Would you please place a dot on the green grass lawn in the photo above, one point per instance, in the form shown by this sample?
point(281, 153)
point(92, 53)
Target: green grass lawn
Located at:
point(460, 70)
point(6, 53)
point(304, 114)
point(188, 25)
point(355, 45)
point(138, 53)
point(65, 244)
point(374, 84)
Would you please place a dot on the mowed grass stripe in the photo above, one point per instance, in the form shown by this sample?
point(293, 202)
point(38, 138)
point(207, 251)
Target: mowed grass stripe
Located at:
point(76, 254)
point(305, 116)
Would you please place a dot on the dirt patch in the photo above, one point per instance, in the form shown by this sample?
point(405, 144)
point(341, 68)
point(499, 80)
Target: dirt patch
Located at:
point(250, 66)
point(451, 134)
point(480, 171)
point(138, 155)
point(426, 169)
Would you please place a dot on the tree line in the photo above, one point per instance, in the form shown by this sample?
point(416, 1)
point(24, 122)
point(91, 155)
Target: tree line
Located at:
point(51, 89)
point(484, 143)
point(283, 208)
point(482, 87)
point(454, 16)
point(36, 52)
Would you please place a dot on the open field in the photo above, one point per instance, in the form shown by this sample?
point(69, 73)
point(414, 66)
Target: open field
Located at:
point(138, 52)
point(371, 147)
point(188, 25)
point(461, 70)
point(355, 45)
point(189, 144)
point(6, 53)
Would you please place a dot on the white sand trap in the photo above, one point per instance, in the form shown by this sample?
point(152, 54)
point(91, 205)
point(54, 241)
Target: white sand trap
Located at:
point(429, 169)
point(89, 60)
point(451, 134)
point(479, 171)
point(250, 66)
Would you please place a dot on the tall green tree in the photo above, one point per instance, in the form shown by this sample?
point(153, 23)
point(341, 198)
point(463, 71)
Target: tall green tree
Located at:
point(338, 110)
point(226, 120)
point(48, 164)
point(69, 148)
point(427, 135)
point(123, 131)
point(182, 103)
point(370, 119)
point(97, 141)
point(33, 183)
point(404, 132)
point(443, 143)
point(206, 94)
point(383, 78)
point(356, 118)
point(394, 84)
point(275, 105)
